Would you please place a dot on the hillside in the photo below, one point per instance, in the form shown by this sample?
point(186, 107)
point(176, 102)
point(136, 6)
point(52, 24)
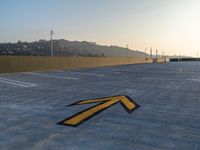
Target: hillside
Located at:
point(95, 49)
point(66, 48)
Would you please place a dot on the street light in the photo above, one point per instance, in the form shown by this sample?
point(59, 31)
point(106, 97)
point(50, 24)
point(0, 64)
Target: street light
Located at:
point(51, 34)
point(156, 53)
point(127, 50)
point(151, 52)
point(145, 52)
point(163, 54)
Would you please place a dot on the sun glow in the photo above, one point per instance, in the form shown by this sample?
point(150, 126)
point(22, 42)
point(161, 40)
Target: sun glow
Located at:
point(185, 28)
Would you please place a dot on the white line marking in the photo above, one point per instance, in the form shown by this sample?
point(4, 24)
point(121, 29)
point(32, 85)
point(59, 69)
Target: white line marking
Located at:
point(21, 82)
point(18, 83)
point(52, 76)
point(107, 71)
point(57, 71)
point(197, 80)
point(14, 83)
point(90, 74)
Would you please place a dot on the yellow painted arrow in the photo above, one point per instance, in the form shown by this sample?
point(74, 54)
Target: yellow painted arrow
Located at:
point(105, 103)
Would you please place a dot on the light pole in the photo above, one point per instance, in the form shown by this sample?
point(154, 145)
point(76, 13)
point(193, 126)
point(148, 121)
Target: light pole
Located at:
point(51, 34)
point(163, 54)
point(145, 50)
point(127, 50)
point(156, 53)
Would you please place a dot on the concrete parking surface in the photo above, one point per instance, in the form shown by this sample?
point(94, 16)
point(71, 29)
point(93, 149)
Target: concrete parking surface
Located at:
point(31, 105)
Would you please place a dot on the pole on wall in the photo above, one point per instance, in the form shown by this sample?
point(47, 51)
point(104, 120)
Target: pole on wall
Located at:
point(51, 34)
point(156, 53)
point(145, 51)
point(127, 50)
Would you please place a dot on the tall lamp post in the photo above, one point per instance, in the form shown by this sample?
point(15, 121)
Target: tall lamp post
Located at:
point(127, 50)
point(156, 53)
point(145, 50)
point(151, 52)
point(51, 34)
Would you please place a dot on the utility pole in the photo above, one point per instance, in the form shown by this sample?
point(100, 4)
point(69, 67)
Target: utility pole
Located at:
point(145, 52)
point(163, 54)
point(197, 56)
point(51, 34)
point(127, 50)
point(156, 53)
point(151, 52)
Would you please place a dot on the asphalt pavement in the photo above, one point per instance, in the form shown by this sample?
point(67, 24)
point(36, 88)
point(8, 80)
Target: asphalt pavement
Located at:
point(33, 103)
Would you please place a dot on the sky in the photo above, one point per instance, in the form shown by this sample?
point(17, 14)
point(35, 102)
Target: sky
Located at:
point(171, 26)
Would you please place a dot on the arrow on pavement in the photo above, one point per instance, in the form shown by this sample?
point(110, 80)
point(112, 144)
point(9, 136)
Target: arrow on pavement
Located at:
point(104, 103)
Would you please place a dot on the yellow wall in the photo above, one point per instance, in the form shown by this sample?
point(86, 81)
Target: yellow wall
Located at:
point(160, 60)
point(40, 63)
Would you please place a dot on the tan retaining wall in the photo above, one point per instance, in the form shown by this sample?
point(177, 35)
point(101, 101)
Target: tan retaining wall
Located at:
point(160, 60)
point(39, 63)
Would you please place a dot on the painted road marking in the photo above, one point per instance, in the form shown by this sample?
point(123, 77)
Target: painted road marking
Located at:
point(198, 80)
point(107, 71)
point(90, 74)
point(17, 83)
point(79, 118)
point(52, 76)
point(57, 71)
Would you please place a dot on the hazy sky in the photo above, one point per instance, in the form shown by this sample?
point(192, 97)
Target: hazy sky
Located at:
point(172, 26)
